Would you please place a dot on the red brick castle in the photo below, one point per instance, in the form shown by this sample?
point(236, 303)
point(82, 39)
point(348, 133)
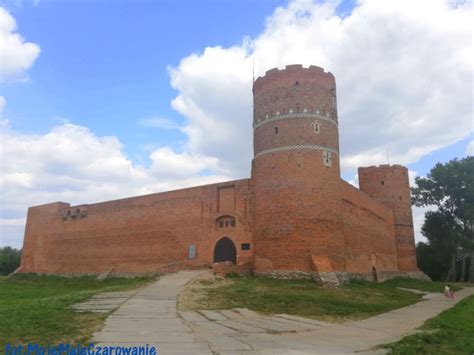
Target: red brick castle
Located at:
point(294, 217)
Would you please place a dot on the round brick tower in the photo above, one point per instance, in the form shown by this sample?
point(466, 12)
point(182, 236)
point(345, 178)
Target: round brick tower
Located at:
point(295, 172)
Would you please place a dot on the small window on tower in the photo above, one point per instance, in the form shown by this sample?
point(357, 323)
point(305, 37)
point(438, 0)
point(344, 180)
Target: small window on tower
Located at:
point(327, 159)
point(383, 183)
point(276, 130)
point(245, 246)
point(316, 127)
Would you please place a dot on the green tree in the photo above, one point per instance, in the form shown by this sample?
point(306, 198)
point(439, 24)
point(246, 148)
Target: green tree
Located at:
point(9, 260)
point(436, 257)
point(449, 229)
point(431, 261)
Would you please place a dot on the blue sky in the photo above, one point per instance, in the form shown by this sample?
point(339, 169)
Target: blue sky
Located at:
point(128, 97)
point(103, 64)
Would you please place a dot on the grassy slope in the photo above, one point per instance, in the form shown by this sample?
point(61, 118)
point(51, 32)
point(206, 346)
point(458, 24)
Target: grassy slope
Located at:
point(357, 300)
point(421, 285)
point(36, 308)
point(451, 332)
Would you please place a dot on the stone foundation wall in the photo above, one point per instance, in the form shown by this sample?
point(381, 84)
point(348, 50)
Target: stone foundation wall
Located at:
point(340, 278)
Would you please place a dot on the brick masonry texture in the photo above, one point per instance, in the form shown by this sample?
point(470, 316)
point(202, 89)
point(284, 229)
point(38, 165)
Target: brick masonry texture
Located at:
point(294, 216)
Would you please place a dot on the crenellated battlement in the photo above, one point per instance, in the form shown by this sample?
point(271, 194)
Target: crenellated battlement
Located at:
point(296, 107)
point(277, 76)
point(295, 92)
point(293, 67)
point(383, 167)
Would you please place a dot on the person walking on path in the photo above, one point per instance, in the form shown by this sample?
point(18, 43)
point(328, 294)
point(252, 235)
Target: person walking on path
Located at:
point(447, 292)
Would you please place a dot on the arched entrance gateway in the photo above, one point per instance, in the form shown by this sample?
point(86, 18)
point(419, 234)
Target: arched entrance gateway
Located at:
point(375, 277)
point(225, 251)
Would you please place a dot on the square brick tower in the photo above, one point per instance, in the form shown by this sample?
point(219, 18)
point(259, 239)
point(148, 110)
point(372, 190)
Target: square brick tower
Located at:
point(389, 184)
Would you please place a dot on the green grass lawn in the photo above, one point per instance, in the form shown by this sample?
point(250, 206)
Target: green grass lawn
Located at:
point(359, 299)
point(429, 286)
point(451, 332)
point(37, 308)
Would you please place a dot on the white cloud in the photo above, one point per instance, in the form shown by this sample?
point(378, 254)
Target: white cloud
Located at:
point(10, 229)
point(418, 212)
point(216, 98)
point(354, 180)
point(160, 123)
point(168, 164)
point(3, 102)
point(470, 149)
point(411, 177)
point(418, 220)
point(71, 164)
point(403, 70)
point(16, 55)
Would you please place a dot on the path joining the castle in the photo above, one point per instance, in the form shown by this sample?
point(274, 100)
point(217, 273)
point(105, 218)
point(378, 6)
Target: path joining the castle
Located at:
point(150, 316)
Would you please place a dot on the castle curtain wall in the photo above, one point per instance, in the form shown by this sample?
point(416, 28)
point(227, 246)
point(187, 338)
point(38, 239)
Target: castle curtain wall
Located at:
point(369, 232)
point(152, 233)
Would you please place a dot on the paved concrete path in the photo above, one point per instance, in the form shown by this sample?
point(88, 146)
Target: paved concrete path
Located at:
point(241, 331)
point(150, 317)
point(104, 302)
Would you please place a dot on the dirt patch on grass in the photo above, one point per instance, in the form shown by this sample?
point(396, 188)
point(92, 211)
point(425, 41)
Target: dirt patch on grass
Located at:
point(194, 295)
point(88, 323)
